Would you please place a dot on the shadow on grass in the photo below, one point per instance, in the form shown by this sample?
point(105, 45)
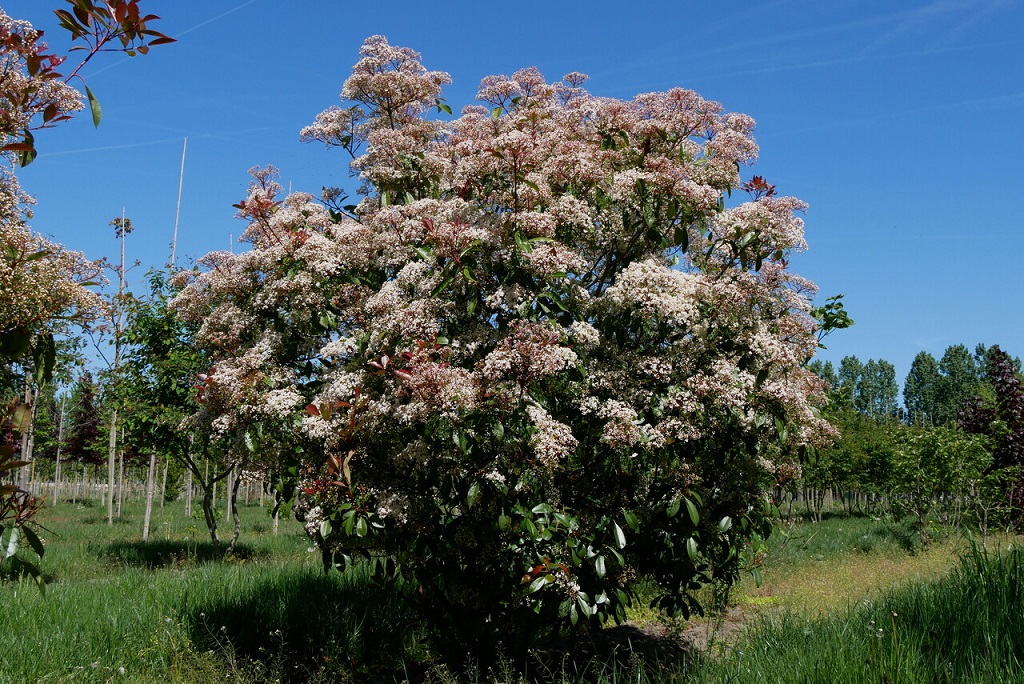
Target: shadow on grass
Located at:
point(158, 554)
point(340, 627)
point(311, 627)
point(16, 570)
point(621, 653)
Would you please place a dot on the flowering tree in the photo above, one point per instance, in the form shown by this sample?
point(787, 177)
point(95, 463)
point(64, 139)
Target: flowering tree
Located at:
point(41, 283)
point(538, 361)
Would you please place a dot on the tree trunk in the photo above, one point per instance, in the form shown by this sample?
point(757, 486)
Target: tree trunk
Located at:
point(60, 441)
point(211, 517)
point(230, 488)
point(120, 476)
point(30, 447)
point(188, 479)
point(23, 455)
point(233, 498)
point(111, 458)
point(150, 485)
point(163, 487)
point(278, 500)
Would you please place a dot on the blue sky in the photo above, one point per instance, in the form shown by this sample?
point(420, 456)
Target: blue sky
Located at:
point(899, 123)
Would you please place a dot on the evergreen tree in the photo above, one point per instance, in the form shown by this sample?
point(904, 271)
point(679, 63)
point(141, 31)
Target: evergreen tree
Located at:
point(84, 442)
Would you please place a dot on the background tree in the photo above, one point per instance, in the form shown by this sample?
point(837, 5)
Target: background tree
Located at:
point(933, 472)
point(161, 367)
point(959, 383)
point(1002, 419)
point(85, 438)
point(825, 371)
point(877, 390)
point(868, 388)
point(920, 389)
point(845, 391)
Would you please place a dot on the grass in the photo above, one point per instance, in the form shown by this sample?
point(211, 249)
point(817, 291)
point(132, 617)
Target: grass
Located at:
point(965, 627)
point(118, 610)
point(817, 568)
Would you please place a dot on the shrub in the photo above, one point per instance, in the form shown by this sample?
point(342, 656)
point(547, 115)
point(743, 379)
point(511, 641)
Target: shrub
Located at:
point(539, 360)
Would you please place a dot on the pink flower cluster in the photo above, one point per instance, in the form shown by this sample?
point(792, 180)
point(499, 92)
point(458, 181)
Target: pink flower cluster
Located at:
point(555, 256)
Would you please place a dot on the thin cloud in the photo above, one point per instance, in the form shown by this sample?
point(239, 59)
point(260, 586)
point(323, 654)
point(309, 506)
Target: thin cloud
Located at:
point(1002, 101)
point(928, 52)
point(903, 21)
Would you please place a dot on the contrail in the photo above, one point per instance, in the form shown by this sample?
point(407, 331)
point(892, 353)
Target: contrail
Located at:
point(110, 147)
point(195, 136)
point(219, 16)
point(181, 33)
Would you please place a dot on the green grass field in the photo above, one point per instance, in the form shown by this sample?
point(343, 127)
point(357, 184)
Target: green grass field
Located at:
point(843, 601)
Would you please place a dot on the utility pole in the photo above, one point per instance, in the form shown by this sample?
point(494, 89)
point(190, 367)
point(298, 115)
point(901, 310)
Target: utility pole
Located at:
point(177, 211)
point(122, 227)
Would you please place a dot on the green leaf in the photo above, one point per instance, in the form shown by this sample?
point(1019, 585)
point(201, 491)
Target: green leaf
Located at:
point(442, 286)
point(21, 418)
point(26, 156)
point(361, 527)
point(725, 524)
point(34, 541)
point(691, 548)
point(11, 547)
point(542, 508)
point(620, 536)
point(538, 583)
point(94, 107)
point(529, 527)
point(599, 567)
point(631, 520)
point(325, 528)
point(618, 556)
point(673, 508)
point(46, 358)
point(473, 495)
point(756, 574)
point(584, 606)
point(691, 509)
point(504, 522)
